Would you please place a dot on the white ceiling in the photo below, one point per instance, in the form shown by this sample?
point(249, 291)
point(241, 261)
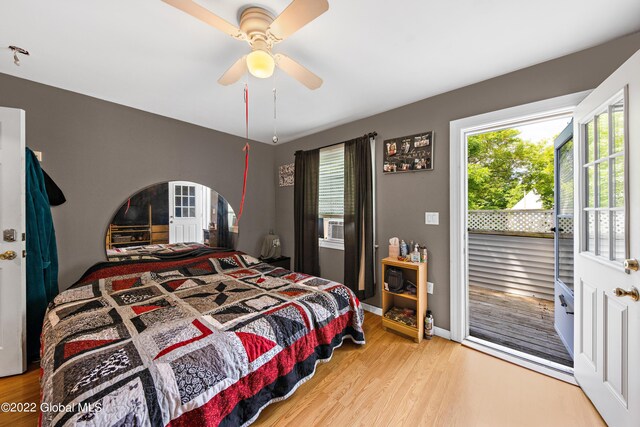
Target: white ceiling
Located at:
point(374, 55)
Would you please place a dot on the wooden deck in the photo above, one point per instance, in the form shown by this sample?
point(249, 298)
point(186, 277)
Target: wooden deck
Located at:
point(517, 322)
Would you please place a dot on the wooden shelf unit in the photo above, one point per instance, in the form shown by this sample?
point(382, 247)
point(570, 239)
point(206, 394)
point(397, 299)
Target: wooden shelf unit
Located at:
point(416, 273)
point(159, 234)
point(152, 234)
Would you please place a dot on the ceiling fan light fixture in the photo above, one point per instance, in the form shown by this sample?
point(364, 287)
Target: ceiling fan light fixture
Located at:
point(261, 30)
point(260, 64)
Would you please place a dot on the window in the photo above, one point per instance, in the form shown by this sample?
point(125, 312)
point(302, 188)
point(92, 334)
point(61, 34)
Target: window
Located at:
point(185, 201)
point(331, 197)
point(604, 171)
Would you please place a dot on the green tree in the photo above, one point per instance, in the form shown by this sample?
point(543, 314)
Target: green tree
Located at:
point(502, 168)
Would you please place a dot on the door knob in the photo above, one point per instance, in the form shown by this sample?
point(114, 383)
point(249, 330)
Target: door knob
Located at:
point(8, 255)
point(633, 293)
point(631, 264)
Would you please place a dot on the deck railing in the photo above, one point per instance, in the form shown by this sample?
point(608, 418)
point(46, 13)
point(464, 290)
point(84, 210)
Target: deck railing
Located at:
point(526, 222)
point(512, 250)
point(520, 265)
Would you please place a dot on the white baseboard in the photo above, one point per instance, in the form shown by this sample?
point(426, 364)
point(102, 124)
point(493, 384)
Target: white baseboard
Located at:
point(372, 309)
point(442, 333)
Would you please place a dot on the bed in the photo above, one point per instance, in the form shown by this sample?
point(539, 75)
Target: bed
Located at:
point(203, 338)
point(156, 251)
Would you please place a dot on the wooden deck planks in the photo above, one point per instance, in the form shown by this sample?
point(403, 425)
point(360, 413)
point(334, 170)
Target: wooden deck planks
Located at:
point(517, 322)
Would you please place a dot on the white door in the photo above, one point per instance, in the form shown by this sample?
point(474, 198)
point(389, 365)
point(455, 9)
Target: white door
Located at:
point(563, 236)
point(12, 263)
point(607, 316)
point(185, 212)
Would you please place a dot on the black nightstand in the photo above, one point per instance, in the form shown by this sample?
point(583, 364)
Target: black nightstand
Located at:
point(283, 261)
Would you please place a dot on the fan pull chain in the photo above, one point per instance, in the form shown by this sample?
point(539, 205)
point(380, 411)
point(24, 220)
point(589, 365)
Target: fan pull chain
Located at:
point(246, 110)
point(275, 128)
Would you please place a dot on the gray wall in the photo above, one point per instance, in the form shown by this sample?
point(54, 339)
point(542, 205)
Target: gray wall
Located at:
point(403, 198)
point(100, 153)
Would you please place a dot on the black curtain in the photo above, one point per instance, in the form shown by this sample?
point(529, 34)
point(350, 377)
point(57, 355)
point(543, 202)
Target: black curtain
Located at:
point(358, 218)
point(224, 238)
point(305, 211)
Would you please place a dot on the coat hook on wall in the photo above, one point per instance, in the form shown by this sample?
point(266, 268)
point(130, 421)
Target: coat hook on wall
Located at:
point(16, 50)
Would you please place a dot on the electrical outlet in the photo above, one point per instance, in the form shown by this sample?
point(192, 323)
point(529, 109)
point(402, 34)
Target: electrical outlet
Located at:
point(432, 218)
point(430, 287)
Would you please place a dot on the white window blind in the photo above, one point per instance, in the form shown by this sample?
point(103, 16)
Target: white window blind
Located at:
point(331, 181)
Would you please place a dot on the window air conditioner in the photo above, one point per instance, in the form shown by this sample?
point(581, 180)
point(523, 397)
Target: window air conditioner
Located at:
point(335, 230)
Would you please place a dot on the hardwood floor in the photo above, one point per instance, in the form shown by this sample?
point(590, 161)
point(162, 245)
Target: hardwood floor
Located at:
point(23, 388)
point(518, 322)
point(392, 381)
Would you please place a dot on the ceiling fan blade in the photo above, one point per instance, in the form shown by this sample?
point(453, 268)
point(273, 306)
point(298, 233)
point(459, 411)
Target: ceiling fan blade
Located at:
point(297, 71)
point(205, 15)
point(298, 14)
point(235, 72)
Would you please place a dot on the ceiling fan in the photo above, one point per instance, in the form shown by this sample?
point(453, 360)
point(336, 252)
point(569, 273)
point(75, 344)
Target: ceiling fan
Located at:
point(261, 30)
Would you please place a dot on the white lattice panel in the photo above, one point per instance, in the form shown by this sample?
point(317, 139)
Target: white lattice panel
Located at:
point(517, 221)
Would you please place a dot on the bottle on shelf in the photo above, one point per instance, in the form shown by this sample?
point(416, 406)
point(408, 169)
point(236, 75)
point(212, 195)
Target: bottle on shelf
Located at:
point(403, 249)
point(424, 255)
point(415, 255)
point(428, 325)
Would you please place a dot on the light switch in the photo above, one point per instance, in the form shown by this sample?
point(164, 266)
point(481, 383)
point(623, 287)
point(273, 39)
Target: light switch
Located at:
point(38, 155)
point(432, 218)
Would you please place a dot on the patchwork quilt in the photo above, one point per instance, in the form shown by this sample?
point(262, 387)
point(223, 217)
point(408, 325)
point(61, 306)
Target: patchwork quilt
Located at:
point(207, 340)
point(157, 251)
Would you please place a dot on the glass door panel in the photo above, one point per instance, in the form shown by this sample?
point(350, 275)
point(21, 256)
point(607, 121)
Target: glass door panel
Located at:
point(564, 207)
point(564, 234)
point(604, 167)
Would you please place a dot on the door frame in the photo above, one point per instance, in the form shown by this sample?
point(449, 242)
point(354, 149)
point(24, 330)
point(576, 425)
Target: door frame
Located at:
point(459, 130)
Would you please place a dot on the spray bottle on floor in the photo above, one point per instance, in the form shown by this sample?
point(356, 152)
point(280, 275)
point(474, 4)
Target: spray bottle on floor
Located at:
point(428, 325)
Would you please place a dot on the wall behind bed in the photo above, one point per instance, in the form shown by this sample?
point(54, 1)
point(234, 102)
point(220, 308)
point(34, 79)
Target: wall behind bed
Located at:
point(402, 199)
point(100, 153)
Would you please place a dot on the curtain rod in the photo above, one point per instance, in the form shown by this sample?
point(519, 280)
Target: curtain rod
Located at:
point(370, 135)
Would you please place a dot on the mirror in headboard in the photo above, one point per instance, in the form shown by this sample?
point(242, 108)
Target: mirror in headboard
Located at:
point(172, 212)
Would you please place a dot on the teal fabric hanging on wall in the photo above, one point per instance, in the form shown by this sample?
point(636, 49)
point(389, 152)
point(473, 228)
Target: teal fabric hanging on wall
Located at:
point(42, 253)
